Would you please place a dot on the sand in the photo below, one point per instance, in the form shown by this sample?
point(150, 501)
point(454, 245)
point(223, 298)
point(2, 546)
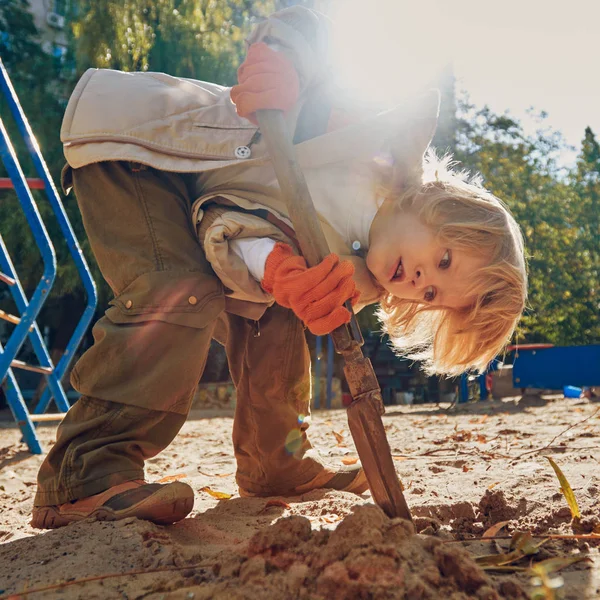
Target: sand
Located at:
point(464, 470)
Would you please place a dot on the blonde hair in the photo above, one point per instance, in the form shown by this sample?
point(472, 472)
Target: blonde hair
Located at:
point(467, 217)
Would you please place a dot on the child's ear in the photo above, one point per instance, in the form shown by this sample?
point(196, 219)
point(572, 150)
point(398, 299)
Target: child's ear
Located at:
point(411, 141)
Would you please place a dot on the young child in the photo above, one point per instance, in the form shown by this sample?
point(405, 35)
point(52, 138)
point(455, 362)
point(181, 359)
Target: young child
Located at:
point(184, 215)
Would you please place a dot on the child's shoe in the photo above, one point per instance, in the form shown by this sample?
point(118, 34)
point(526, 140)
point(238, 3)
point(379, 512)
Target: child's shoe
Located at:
point(345, 479)
point(160, 503)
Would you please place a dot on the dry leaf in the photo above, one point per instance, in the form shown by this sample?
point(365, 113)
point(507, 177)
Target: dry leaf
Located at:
point(339, 438)
point(350, 460)
point(461, 436)
point(331, 519)
point(215, 474)
point(523, 541)
point(465, 469)
point(276, 502)
point(566, 490)
point(481, 438)
point(494, 529)
point(399, 458)
point(493, 485)
point(214, 494)
point(170, 478)
point(553, 565)
point(479, 420)
point(521, 545)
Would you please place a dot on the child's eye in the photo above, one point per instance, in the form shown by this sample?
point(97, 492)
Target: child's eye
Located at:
point(429, 294)
point(446, 260)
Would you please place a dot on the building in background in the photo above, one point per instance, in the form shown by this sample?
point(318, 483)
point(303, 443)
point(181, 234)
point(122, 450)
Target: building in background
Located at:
point(50, 18)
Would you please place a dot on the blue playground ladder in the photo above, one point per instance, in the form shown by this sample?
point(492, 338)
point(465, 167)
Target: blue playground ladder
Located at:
point(25, 324)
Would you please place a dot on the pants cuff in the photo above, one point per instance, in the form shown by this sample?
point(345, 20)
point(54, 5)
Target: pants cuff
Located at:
point(84, 490)
point(306, 469)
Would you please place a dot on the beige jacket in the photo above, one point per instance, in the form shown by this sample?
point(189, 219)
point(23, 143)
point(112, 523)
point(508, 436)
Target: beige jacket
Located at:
point(184, 125)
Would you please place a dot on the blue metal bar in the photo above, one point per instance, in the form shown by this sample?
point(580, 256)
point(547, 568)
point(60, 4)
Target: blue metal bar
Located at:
point(65, 227)
point(318, 358)
point(463, 395)
point(15, 341)
point(20, 413)
point(483, 392)
point(35, 336)
point(330, 355)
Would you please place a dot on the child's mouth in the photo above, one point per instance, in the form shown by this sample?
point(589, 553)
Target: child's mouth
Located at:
point(399, 272)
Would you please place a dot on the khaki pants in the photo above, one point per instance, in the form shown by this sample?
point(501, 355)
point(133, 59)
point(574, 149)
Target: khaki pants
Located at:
point(138, 379)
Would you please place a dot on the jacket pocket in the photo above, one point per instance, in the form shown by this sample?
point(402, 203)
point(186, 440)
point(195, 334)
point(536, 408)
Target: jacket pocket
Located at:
point(191, 299)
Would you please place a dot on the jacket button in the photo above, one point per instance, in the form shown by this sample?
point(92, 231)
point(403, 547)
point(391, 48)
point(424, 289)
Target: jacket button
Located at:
point(243, 152)
point(128, 304)
point(193, 300)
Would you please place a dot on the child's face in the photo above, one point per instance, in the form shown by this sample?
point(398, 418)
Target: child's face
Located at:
point(408, 261)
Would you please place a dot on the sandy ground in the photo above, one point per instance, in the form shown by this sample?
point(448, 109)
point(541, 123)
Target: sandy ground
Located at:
point(464, 470)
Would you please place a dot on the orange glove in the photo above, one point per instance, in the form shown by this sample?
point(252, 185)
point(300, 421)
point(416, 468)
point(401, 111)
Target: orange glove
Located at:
point(315, 294)
point(266, 79)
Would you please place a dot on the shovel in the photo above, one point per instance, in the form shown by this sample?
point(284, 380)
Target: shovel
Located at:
point(366, 408)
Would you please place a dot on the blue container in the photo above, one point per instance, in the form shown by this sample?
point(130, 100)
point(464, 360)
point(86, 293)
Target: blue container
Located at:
point(572, 392)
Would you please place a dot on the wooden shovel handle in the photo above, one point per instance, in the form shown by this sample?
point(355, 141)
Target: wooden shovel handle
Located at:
point(301, 209)
point(293, 186)
point(364, 413)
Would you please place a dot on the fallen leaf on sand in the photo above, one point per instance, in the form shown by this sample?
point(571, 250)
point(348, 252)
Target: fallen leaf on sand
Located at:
point(465, 469)
point(331, 519)
point(493, 485)
point(271, 503)
point(553, 565)
point(494, 529)
point(215, 474)
point(521, 545)
point(566, 490)
point(339, 438)
point(461, 436)
point(277, 503)
point(215, 494)
point(481, 438)
point(350, 460)
point(170, 478)
point(479, 420)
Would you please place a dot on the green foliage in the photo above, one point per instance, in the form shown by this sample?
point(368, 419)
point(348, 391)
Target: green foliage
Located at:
point(35, 76)
point(557, 211)
point(186, 38)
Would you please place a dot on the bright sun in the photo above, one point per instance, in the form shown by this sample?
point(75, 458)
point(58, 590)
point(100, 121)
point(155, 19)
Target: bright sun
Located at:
point(388, 51)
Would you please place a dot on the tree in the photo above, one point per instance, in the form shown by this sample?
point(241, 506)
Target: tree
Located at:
point(586, 181)
point(34, 75)
point(186, 38)
point(522, 170)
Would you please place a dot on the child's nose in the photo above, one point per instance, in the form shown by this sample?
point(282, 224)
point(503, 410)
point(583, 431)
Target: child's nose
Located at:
point(419, 279)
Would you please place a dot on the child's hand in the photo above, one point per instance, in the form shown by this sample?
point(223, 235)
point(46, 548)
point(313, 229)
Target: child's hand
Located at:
point(266, 80)
point(315, 294)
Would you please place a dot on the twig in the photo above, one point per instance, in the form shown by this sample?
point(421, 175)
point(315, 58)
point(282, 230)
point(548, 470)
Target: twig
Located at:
point(436, 450)
point(64, 584)
point(557, 436)
point(550, 536)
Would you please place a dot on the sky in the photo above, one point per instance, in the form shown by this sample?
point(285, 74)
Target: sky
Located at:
point(510, 55)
